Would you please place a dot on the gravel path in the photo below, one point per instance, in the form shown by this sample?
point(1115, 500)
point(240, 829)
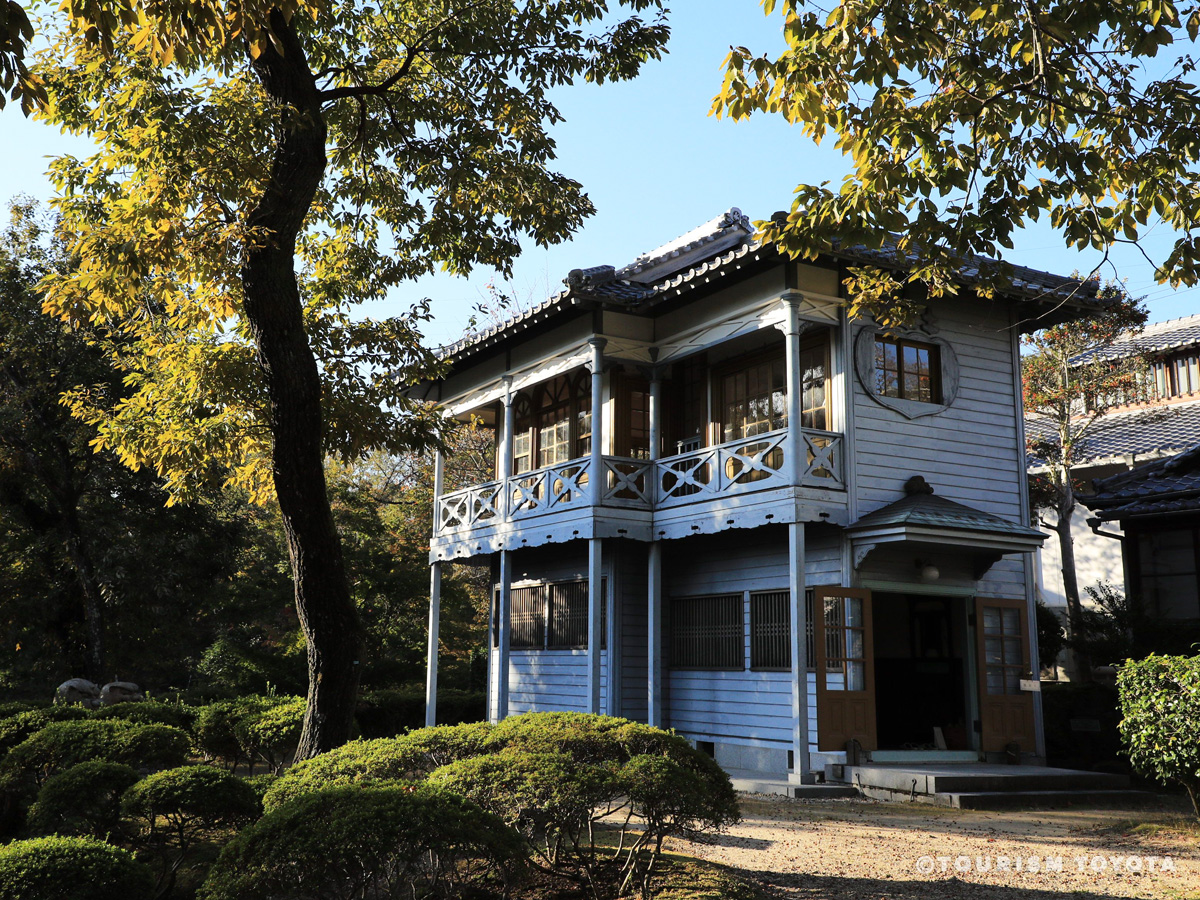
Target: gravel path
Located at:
point(866, 850)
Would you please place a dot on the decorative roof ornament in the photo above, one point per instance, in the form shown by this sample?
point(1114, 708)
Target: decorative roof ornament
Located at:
point(591, 277)
point(917, 485)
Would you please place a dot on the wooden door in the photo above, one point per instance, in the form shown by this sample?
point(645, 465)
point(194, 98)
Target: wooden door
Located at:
point(1002, 641)
point(845, 654)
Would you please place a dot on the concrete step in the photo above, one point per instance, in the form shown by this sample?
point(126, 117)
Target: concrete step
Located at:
point(825, 792)
point(987, 800)
point(979, 778)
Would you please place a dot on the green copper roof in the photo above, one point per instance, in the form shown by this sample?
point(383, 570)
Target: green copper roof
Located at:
point(923, 509)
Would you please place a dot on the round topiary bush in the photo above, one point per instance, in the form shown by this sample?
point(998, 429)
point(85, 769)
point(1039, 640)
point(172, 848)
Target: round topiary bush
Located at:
point(84, 800)
point(381, 760)
point(61, 745)
point(10, 709)
point(151, 712)
point(71, 868)
point(333, 844)
point(177, 806)
point(16, 728)
point(271, 733)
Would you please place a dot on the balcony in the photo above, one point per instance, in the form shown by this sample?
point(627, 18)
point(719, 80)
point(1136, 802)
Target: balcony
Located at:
point(726, 471)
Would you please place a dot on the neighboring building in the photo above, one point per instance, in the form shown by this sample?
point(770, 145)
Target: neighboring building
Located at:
point(1157, 506)
point(1162, 422)
point(698, 450)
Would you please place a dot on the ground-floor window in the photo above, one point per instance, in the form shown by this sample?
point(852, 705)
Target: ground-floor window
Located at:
point(707, 632)
point(550, 616)
point(770, 630)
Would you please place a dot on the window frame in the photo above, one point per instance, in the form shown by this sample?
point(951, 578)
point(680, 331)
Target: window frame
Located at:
point(934, 368)
point(768, 643)
point(693, 664)
point(545, 617)
point(572, 411)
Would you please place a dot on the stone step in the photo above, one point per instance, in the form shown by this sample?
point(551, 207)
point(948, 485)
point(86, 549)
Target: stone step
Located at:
point(825, 792)
point(981, 778)
point(987, 800)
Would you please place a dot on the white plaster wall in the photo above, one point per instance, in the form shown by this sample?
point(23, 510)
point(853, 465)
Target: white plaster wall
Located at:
point(1097, 559)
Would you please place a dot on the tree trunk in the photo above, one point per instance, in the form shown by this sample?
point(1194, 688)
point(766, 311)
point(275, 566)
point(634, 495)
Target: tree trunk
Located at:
point(1081, 667)
point(89, 588)
point(272, 306)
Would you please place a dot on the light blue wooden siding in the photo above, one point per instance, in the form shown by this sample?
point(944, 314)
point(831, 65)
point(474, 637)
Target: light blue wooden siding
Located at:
point(968, 453)
point(732, 706)
point(548, 680)
point(632, 589)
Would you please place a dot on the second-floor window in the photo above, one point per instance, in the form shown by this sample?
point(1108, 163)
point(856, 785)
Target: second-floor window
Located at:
point(552, 422)
point(753, 392)
point(1177, 375)
point(907, 370)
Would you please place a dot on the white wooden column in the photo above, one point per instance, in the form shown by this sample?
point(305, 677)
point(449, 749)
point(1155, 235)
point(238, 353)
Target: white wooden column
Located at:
point(655, 713)
point(431, 671)
point(597, 482)
point(435, 608)
point(504, 633)
point(797, 458)
point(799, 628)
point(504, 442)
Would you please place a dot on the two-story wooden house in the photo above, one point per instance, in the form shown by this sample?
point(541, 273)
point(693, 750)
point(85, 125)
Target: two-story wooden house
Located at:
point(720, 506)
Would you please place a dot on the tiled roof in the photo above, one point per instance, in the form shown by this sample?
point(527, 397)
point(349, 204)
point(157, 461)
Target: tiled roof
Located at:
point(932, 511)
point(1153, 431)
point(1161, 337)
point(718, 247)
point(1164, 486)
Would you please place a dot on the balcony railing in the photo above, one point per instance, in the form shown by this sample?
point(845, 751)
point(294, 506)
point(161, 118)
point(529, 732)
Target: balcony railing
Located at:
point(750, 464)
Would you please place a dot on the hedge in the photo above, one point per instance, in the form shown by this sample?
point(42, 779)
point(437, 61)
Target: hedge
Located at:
point(71, 868)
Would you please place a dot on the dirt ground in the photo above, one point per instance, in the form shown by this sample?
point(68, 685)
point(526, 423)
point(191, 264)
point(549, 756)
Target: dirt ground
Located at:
point(868, 850)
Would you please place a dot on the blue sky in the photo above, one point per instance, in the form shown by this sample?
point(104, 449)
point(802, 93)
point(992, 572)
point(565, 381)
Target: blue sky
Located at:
point(655, 165)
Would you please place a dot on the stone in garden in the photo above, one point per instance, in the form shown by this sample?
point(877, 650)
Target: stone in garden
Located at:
point(120, 692)
point(77, 690)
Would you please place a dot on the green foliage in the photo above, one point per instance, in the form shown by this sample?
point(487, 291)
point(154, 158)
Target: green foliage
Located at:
point(62, 745)
point(554, 776)
point(177, 806)
point(152, 712)
point(15, 729)
point(270, 732)
point(251, 729)
point(12, 708)
point(84, 800)
point(343, 842)
point(1160, 708)
point(965, 122)
point(381, 760)
point(1051, 638)
point(71, 868)
point(385, 713)
point(261, 784)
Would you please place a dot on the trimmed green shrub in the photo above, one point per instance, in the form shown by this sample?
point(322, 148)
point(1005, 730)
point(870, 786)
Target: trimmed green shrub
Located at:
point(271, 732)
point(333, 844)
point(10, 709)
point(555, 776)
point(177, 806)
point(71, 868)
point(84, 800)
point(152, 712)
point(64, 744)
point(16, 728)
point(260, 784)
point(387, 713)
point(379, 761)
point(1160, 705)
point(249, 729)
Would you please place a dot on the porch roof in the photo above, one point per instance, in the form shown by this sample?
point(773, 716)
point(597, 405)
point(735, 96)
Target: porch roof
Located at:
point(923, 519)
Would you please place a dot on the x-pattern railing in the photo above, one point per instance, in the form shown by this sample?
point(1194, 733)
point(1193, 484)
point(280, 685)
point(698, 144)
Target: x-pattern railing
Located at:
point(749, 464)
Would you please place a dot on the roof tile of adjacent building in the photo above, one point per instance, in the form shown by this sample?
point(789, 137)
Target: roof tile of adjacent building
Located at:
point(717, 248)
point(1165, 486)
point(1161, 337)
point(1147, 432)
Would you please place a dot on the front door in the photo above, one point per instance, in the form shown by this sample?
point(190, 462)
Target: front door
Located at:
point(845, 668)
point(1005, 711)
